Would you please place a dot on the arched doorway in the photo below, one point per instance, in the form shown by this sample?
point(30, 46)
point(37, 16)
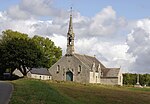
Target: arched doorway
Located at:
point(69, 76)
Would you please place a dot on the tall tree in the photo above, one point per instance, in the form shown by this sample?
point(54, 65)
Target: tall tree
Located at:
point(51, 53)
point(19, 51)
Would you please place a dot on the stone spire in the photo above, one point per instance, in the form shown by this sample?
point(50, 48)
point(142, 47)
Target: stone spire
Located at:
point(70, 30)
point(70, 37)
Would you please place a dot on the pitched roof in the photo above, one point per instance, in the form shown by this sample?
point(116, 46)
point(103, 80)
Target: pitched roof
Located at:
point(89, 60)
point(41, 71)
point(111, 72)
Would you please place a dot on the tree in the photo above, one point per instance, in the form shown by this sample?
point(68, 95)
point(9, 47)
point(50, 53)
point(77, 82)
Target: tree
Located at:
point(145, 79)
point(19, 51)
point(51, 53)
point(126, 79)
point(131, 79)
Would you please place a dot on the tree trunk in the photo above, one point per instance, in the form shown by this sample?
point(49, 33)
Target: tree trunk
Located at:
point(25, 70)
point(22, 70)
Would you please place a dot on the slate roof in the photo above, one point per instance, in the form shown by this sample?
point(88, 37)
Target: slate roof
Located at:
point(40, 71)
point(111, 72)
point(89, 60)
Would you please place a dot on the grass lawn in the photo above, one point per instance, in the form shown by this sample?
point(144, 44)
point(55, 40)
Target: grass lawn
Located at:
point(30, 91)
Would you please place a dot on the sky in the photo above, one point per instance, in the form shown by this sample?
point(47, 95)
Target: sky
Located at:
point(117, 32)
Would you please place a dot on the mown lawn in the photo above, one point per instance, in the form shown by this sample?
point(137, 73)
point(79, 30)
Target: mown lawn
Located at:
point(29, 91)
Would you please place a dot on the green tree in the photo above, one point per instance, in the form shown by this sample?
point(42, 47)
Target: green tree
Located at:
point(145, 79)
point(51, 53)
point(129, 79)
point(19, 51)
point(126, 79)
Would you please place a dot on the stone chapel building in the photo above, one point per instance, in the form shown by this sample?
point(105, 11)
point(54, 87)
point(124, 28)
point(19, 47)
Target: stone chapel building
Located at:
point(83, 68)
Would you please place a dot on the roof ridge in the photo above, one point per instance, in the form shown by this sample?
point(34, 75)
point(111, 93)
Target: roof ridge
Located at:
point(89, 56)
point(113, 68)
point(84, 55)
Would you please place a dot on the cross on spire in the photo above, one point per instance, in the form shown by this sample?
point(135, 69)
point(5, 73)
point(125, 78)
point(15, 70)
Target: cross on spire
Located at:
point(70, 36)
point(70, 10)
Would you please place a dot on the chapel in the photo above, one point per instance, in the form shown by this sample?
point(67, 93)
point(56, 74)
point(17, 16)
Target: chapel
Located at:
point(83, 68)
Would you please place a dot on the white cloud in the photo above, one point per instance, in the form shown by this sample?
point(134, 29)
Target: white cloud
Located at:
point(35, 8)
point(106, 23)
point(139, 42)
point(25, 26)
point(144, 24)
point(15, 12)
point(60, 41)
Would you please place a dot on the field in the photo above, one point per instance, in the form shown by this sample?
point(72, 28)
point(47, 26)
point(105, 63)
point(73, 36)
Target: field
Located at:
point(30, 91)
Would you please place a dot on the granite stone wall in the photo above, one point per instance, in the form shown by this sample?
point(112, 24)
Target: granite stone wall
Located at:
point(70, 63)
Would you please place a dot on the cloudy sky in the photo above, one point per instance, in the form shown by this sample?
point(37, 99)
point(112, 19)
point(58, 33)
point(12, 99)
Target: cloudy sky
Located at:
point(116, 31)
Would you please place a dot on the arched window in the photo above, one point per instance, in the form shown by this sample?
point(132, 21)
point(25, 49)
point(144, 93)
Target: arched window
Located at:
point(79, 69)
point(58, 69)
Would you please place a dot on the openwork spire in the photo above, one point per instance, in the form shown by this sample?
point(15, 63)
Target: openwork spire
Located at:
point(70, 30)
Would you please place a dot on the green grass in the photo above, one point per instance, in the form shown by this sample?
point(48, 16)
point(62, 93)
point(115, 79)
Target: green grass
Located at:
point(29, 91)
point(139, 89)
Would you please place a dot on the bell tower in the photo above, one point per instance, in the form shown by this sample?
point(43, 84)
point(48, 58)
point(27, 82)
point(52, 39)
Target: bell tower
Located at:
point(70, 37)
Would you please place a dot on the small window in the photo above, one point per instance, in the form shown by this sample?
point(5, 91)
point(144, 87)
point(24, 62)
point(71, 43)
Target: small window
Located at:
point(102, 74)
point(58, 69)
point(79, 69)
